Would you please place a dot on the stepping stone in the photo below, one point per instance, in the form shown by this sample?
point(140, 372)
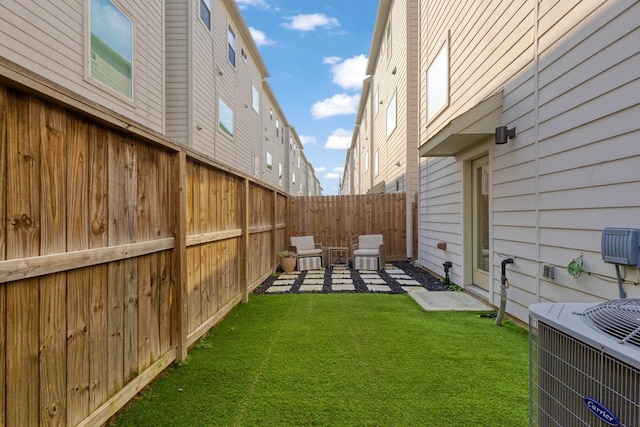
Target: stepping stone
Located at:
point(311, 288)
point(369, 276)
point(367, 272)
point(283, 282)
point(409, 283)
point(409, 289)
point(316, 272)
point(289, 276)
point(341, 276)
point(378, 281)
point(400, 276)
point(276, 289)
point(393, 271)
point(343, 288)
point(342, 281)
point(379, 288)
point(313, 282)
point(314, 276)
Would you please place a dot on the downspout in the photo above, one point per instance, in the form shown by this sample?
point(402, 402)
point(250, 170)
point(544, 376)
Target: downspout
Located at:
point(504, 284)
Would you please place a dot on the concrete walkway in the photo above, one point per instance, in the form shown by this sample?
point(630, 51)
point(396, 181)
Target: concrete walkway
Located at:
point(447, 301)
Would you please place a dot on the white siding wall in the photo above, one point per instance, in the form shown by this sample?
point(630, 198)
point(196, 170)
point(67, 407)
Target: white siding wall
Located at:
point(51, 39)
point(570, 74)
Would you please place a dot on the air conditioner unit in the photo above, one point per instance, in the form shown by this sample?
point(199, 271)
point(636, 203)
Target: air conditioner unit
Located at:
point(584, 364)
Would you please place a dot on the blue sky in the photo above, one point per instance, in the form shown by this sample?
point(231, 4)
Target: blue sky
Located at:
point(316, 53)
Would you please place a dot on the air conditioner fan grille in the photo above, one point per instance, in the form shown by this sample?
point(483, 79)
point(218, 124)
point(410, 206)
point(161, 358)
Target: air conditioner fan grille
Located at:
point(617, 318)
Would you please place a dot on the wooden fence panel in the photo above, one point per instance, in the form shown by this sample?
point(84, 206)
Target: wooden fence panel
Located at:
point(109, 238)
point(339, 220)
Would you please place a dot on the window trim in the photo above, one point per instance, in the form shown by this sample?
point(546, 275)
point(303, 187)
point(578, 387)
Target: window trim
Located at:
point(93, 57)
point(208, 6)
point(434, 81)
point(223, 126)
point(393, 103)
point(231, 48)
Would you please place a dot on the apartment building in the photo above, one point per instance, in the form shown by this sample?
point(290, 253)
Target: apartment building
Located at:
point(187, 69)
point(528, 139)
point(383, 154)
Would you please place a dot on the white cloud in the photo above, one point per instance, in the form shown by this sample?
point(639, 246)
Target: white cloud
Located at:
point(319, 169)
point(349, 73)
point(310, 22)
point(243, 4)
point(339, 104)
point(336, 173)
point(260, 37)
point(340, 139)
point(308, 140)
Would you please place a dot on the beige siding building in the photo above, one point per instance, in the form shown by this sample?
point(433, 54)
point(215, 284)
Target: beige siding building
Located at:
point(383, 155)
point(565, 76)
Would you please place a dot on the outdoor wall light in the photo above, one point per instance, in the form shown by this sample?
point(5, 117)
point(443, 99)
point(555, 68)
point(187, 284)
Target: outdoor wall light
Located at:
point(503, 134)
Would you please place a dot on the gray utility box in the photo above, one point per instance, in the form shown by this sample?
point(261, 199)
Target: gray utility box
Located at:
point(620, 246)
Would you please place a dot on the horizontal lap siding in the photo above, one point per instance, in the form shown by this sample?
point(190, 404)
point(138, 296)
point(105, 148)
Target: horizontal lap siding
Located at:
point(48, 38)
point(177, 70)
point(588, 129)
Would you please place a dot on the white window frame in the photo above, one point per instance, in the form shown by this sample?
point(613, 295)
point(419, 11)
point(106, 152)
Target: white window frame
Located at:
point(255, 99)
point(205, 5)
point(438, 82)
point(120, 82)
point(225, 117)
point(269, 161)
point(231, 46)
point(376, 169)
point(392, 115)
point(376, 102)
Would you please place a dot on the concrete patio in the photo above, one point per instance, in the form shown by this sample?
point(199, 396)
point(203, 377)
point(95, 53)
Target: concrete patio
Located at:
point(427, 291)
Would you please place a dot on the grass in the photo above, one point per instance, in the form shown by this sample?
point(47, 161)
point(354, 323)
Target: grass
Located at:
point(344, 360)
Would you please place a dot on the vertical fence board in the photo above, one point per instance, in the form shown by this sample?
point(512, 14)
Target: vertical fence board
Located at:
point(23, 194)
point(116, 275)
point(3, 248)
point(145, 196)
point(78, 280)
point(98, 292)
point(52, 326)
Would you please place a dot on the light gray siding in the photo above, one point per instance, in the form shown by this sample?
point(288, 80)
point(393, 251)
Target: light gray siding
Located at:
point(569, 76)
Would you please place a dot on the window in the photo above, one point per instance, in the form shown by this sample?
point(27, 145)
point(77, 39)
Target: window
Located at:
point(205, 12)
point(231, 41)
point(438, 82)
point(243, 54)
point(271, 113)
point(111, 47)
point(375, 164)
point(269, 161)
point(298, 162)
point(225, 117)
point(277, 127)
point(280, 174)
point(391, 115)
point(366, 161)
point(293, 178)
point(255, 99)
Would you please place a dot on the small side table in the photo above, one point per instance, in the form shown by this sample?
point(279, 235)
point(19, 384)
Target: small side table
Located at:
point(339, 257)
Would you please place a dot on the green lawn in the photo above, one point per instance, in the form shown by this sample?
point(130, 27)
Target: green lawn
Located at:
point(344, 360)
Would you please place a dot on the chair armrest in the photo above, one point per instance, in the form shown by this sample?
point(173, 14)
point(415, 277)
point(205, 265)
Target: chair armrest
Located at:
point(382, 256)
point(354, 247)
point(318, 245)
point(293, 249)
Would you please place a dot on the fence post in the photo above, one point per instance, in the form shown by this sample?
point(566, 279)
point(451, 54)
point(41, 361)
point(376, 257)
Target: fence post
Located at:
point(180, 257)
point(244, 258)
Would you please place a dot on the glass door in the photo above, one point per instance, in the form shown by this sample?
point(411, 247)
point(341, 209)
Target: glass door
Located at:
point(480, 219)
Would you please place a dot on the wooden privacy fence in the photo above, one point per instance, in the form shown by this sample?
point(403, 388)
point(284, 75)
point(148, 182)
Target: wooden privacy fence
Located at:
point(339, 220)
point(118, 250)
